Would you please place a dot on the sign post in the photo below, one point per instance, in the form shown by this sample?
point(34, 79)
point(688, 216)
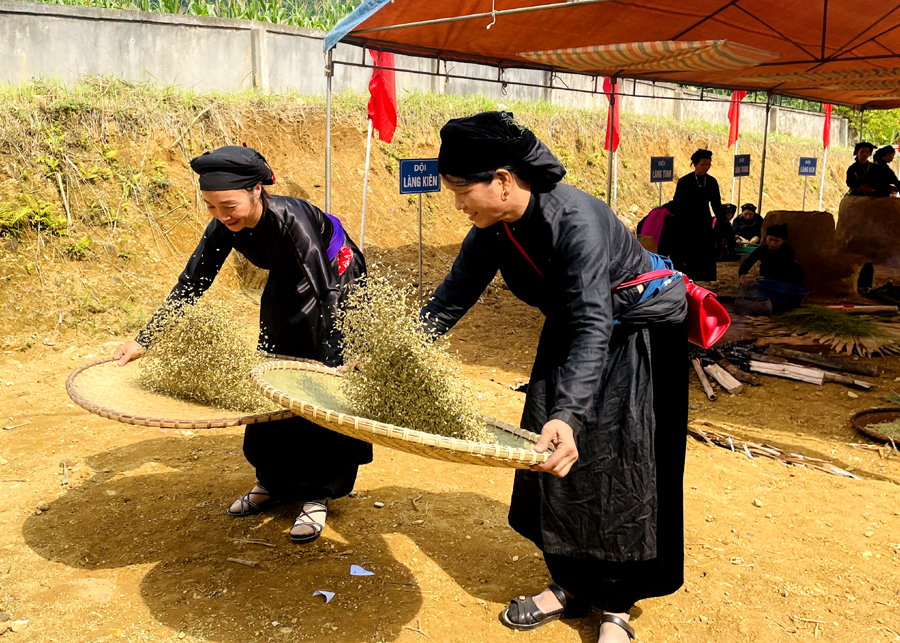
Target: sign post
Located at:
point(741, 169)
point(418, 176)
point(662, 170)
point(807, 169)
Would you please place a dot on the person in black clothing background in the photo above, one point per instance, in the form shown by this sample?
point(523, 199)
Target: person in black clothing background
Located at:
point(310, 259)
point(749, 224)
point(861, 173)
point(885, 181)
point(607, 507)
point(723, 234)
point(775, 258)
point(694, 251)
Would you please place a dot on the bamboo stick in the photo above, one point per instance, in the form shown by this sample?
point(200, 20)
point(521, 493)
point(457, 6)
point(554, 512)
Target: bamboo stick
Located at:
point(704, 382)
point(790, 371)
point(831, 363)
point(738, 374)
point(864, 310)
point(725, 380)
point(849, 381)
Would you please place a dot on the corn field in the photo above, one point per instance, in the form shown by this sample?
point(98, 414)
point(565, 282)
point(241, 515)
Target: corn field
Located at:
point(311, 14)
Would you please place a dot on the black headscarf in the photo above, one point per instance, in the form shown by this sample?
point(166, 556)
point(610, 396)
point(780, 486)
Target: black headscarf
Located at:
point(748, 206)
point(699, 155)
point(491, 140)
point(232, 168)
point(887, 150)
point(861, 145)
point(779, 231)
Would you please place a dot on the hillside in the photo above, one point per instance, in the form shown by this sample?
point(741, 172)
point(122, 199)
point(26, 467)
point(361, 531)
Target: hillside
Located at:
point(98, 207)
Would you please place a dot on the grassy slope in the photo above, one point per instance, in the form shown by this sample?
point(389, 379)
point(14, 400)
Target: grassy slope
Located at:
point(99, 208)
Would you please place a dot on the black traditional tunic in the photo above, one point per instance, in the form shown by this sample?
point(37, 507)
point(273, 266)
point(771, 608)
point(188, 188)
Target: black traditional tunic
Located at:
point(747, 229)
point(694, 252)
point(885, 180)
point(595, 377)
point(859, 178)
point(296, 312)
point(778, 265)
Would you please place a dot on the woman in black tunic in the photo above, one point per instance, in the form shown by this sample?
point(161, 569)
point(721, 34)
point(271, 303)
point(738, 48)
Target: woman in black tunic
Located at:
point(885, 182)
point(694, 253)
point(309, 258)
point(861, 173)
point(606, 508)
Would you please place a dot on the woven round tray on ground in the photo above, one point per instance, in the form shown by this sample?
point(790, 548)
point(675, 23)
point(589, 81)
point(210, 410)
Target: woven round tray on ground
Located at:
point(313, 391)
point(866, 422)
point(113, 392)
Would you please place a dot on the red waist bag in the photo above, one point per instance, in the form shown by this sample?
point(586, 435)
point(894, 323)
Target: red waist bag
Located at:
point(707, 318)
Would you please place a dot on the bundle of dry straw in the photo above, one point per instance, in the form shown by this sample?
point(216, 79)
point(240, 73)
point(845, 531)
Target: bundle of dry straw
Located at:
point(399, 375)
point(198, 353)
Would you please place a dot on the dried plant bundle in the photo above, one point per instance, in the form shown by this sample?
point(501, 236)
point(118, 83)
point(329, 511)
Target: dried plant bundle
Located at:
point(198, 353)
point(402, 376)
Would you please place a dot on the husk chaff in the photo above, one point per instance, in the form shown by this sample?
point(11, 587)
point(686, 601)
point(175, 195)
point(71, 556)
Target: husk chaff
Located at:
point(399, 374)
point(199, 354)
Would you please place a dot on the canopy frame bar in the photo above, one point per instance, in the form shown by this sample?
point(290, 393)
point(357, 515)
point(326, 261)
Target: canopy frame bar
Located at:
point(487, 14)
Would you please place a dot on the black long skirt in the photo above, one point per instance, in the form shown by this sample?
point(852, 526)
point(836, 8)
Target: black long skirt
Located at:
point(616, 585)
point(294, 458)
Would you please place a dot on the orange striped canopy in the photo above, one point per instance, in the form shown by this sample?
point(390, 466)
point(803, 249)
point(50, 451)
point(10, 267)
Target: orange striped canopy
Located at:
point(666, 55)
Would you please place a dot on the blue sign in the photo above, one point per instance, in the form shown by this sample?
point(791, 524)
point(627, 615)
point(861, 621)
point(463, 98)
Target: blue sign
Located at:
point(419, 175)
point(741, 165)
point(662, 169)
point(808, 165)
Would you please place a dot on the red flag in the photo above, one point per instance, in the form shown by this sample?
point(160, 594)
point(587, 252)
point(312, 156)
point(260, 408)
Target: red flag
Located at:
point(383, 103)
point(734, 117)
point(826, 133)
point(612, 117)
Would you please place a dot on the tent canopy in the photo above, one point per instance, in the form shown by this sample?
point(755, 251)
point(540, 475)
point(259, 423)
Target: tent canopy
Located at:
point(831, 51)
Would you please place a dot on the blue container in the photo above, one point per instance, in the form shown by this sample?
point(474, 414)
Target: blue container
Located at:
point(784, 296)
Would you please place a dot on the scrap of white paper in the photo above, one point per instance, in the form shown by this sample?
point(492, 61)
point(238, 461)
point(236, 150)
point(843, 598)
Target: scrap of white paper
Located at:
point(356, 570)
point(326, 594)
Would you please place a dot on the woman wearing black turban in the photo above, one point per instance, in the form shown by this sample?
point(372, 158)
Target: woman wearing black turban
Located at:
point(606, 508)
point(885, 182)
point(861, 173)
point(309, 258)
point(695, 252)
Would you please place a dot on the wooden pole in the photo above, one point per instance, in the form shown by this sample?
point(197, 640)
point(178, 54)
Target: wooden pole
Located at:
point(738, 374)
point(725, 380)
point(762, 173)
point(831, 363)
point(704, 382)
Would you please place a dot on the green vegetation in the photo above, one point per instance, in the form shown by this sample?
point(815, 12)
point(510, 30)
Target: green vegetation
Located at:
point(816, 320)
point(311, 14)
point(29, 212)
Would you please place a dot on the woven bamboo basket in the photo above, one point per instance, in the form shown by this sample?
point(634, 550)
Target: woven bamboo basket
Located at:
point(866, 422)
point(113, 392)
point(313, 391)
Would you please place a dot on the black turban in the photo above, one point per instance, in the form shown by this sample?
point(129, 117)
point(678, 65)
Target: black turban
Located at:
point(779, 231)
point(491, 140)
point(748, 206)
point(730, 208)
point(887, 150)
point(700, 155)
point(232, 168)
point(861, 145)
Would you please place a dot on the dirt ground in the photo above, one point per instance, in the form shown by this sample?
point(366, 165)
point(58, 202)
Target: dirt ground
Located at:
point(135, 547)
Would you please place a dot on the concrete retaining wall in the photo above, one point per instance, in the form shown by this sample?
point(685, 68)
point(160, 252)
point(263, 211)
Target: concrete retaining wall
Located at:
point(63, 42)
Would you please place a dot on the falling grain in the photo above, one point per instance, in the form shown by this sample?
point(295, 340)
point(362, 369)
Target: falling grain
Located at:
point(402, 376)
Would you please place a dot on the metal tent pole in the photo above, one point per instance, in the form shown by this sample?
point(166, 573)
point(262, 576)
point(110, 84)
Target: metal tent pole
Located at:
point(609, 140)
point(329, 73)
point(762, 173)
point(861, 112)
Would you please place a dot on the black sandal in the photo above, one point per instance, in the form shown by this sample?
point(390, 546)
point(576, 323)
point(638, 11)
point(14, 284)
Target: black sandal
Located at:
point(250, 508)
point(317, 527)
point(523, 614)
point(612, 618)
